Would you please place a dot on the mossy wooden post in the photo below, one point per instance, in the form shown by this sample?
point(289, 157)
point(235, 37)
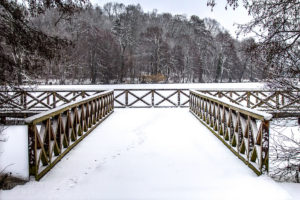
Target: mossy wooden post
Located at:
point(32, 147)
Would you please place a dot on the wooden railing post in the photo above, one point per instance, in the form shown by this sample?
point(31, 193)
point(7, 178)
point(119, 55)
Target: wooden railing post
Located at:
point(48, 98)
point(152, 98)
point(265, 145)
point(282, 99)
point(32, 149)
point(23, 100)
point(248, 99)
point(126, 98)
point(277, 100)
point(54, 99)
point(178, 98)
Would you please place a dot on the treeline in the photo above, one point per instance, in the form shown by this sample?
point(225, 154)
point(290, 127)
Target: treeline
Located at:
point(122, 44)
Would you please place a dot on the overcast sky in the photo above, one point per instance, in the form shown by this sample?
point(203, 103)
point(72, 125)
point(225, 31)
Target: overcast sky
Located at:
point(226, 18)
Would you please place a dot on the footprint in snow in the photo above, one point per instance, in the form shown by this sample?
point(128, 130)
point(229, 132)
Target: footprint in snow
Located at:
point(73, 181)
point(141, 141)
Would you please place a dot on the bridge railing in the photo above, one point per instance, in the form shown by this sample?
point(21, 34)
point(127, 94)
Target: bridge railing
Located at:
point(31, 101)
point(146, 98)
point(55, 132)
point(244, 131)
point(41, 100)
point(279, 103)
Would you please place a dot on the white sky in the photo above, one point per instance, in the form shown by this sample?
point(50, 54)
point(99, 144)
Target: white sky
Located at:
point(226, 18)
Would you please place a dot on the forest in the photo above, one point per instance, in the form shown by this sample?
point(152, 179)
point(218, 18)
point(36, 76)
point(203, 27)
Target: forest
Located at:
point(122, 44)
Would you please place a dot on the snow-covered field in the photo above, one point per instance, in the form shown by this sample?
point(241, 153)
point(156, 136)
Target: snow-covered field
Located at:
point(151, 154)
point(213, 86)
point(13, 152)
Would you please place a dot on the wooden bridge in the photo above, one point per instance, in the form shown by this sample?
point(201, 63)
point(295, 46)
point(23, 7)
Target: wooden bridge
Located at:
point(60, 119)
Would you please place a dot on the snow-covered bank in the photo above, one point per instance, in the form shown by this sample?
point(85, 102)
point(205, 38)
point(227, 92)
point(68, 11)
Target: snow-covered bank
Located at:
point(152, 154)
point(284, 149)
point(14, 151)
point(204, 86)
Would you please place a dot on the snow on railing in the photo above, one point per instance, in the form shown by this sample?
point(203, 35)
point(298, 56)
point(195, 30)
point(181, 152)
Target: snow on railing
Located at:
point(147, 98)
point(35, 100)
point(243, 130)
point(279, 103)
point(55, 132)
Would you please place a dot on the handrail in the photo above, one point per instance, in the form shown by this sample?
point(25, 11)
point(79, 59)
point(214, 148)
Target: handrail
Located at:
point(244, 131)
point(158, 98)
point(54, 133)
point(242, 109)
point(39, 99)
point(46, 114)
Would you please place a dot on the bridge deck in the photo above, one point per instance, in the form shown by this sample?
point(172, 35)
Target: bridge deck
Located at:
point(151, 154)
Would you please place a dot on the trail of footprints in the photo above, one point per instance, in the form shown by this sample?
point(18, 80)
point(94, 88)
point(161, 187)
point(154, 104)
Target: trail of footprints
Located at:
point(140, 140)
point(72, 182)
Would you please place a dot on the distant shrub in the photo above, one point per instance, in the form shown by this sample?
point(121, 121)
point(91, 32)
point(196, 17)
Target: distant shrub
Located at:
point(8, 182)
point(157, 78)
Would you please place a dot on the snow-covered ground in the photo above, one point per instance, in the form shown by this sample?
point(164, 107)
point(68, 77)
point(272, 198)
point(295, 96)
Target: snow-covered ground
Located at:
point(152, 154)
point(203, 86)
point(13, 152)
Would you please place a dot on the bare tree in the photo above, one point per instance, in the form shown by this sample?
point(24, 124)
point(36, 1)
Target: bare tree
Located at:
point(285, 152)
point(276, 26)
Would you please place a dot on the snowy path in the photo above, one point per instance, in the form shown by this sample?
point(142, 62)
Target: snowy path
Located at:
point(152, 154)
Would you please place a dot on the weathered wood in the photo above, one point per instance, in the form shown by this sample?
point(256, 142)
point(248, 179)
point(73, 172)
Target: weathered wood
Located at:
point(236, 127)
point(139, 98)
point(153, 94)
point(166, 98)
point(61, 125)
point(40, 100)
